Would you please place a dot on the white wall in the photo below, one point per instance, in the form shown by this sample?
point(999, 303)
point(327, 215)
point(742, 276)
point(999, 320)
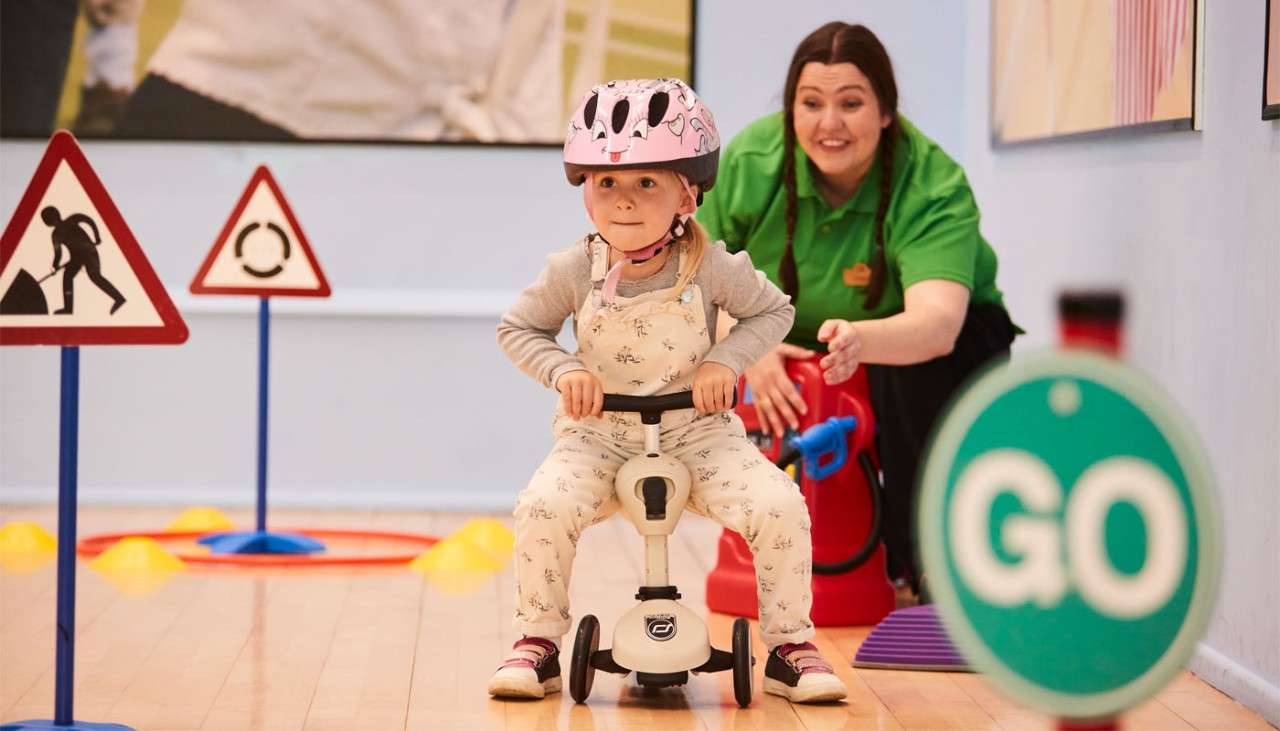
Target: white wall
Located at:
point(393, 392)
point(744, 49)
point(1189, 224)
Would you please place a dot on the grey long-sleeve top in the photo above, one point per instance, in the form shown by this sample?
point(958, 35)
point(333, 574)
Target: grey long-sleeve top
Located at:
point(527, 333)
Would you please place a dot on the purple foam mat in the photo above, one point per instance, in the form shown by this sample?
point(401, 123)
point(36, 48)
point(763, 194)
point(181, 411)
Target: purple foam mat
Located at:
point(910, 639)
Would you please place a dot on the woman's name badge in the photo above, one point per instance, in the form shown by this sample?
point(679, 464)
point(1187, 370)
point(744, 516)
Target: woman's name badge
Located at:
point(858, 275)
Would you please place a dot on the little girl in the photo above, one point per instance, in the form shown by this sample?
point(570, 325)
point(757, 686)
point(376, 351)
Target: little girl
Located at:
point(645, 291)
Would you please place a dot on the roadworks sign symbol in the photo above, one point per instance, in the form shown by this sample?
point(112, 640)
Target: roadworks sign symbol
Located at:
point(71, 272)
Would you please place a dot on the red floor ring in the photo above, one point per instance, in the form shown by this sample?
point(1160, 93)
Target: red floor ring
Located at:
point(91, 546)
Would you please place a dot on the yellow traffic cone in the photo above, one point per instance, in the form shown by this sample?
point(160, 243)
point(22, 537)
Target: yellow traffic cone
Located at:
point(137, 553)
point(200, 520)
point(21, 537)
point(455, 554)
point(137, 565)
point(489, 534)
point(456, 566)
point(25, 547)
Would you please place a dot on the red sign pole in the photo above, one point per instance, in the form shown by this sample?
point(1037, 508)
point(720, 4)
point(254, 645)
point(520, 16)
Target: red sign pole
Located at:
point(1093, 320)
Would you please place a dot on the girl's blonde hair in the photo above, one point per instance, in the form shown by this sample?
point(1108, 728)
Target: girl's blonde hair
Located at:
point(695, 241)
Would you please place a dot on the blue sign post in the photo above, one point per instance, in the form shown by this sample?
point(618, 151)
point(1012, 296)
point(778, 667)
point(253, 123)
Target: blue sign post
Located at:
point(66, 209)
point(261, 251)
point(261, 540)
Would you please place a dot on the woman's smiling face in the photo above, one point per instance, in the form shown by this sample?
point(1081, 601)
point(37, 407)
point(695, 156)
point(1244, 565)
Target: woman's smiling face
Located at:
point(837, 119)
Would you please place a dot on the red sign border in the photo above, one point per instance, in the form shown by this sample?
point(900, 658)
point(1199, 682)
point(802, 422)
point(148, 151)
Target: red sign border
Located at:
point(173, 331)
point(260, 175)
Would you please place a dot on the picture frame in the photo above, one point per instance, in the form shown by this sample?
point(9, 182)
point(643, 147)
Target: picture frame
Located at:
point(1271, 62)
point(453, 72)
point(1094, 68)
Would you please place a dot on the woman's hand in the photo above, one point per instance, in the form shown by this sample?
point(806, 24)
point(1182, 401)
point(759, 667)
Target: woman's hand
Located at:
point(844, 350)
point(713, 387)
point(581, 394)
point(777, 401)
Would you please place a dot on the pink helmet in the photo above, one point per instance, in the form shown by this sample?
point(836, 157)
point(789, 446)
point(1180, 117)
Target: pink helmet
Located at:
point(643, 123)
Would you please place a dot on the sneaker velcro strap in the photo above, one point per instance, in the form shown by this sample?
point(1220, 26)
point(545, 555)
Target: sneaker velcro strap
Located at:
point(529, 652)
point(547, 646)
point(805, 658)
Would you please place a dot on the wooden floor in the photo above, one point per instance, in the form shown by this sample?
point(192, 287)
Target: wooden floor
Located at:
point(345, 650)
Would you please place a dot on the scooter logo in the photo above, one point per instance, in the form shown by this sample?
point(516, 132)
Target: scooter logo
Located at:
point(660, 627)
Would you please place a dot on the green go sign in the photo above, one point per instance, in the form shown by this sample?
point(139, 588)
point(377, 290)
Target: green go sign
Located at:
point(1069, 533)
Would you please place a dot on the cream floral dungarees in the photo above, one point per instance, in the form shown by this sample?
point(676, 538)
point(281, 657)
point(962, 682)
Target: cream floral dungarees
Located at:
point(647, 345)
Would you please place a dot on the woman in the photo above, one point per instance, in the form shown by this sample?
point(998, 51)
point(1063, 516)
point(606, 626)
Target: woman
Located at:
point(873, 231)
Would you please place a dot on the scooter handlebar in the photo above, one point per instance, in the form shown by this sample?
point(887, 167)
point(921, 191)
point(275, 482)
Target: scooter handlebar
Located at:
point(654, 404)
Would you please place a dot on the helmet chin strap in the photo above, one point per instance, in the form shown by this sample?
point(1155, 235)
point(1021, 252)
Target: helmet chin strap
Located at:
point(609, 289)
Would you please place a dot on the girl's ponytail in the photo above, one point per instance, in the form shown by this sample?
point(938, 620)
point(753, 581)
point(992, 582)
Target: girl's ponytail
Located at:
point(695, 241)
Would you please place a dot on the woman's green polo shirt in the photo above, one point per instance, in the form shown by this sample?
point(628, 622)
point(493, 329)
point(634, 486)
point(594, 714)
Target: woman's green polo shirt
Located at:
point(931, 226)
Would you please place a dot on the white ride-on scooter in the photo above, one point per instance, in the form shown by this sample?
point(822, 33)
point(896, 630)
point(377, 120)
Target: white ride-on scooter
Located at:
point(660, 639)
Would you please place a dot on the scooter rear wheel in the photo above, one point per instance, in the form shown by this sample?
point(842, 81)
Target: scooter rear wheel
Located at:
point(585, 644)
point(742, 662)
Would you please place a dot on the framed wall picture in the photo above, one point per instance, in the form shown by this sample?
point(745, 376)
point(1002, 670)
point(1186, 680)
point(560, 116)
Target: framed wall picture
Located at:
point(402, 71)
point(1066, 69)
point(1271, 68)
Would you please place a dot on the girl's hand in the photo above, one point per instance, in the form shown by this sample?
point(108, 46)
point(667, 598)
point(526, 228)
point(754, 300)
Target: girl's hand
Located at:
point(844, 348)
point(776, 399)
point(713, 387)
point(581, 394)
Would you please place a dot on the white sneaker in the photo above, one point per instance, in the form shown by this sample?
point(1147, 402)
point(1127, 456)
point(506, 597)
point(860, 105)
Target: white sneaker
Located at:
point(532, 670)
point(799, 673)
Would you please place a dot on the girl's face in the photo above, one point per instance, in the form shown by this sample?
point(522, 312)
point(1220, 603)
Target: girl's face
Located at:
point(634, 208)
point(837, 118)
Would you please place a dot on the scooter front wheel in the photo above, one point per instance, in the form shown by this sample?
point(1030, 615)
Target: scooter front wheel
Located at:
point(742, 661)
point(585, 644)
